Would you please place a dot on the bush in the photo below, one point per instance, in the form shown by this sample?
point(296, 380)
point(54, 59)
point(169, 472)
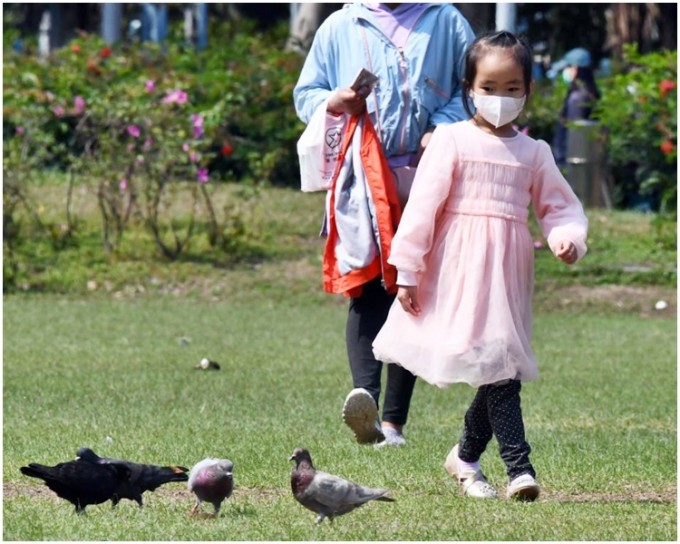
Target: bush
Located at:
point(639, 112)
point(245, 87)
point(146, 127)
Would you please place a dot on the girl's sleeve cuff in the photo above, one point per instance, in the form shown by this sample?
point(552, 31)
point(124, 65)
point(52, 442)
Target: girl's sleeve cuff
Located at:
point(407, 278)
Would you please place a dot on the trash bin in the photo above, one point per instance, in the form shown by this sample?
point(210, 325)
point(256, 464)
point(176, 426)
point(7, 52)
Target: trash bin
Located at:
point(585, 163)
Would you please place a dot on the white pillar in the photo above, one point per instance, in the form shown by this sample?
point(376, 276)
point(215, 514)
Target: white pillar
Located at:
point(111, 22)
point(44, 34)
point(506, 15)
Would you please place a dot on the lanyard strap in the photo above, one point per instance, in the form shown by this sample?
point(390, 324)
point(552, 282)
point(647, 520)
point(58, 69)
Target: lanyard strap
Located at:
point(370, 67)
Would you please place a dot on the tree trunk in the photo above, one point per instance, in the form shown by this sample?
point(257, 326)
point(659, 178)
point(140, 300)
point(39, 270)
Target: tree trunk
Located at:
point(306, 18)
point(649, 25)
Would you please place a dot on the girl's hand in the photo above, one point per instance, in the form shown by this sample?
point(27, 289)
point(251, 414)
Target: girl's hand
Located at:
point(566, 252)
point(347, 100)
point(408, 298)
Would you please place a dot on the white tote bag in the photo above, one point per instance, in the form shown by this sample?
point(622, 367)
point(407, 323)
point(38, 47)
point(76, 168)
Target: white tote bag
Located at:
point(319, 148)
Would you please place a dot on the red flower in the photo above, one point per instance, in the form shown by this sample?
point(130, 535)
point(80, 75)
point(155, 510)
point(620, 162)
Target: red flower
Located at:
point(106, 52)
point(227, 150)
point(666, 86)
point(667, 147)
point(75, 48)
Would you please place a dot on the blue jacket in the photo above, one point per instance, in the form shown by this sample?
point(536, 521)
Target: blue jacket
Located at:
point(418, 87)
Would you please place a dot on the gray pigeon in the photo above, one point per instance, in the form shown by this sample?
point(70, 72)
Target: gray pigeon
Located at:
point(80, 482)
point(142, 477)
point(212, 481)
point(325, 494)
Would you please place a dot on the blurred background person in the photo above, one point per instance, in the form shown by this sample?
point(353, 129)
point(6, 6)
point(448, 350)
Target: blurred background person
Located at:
point(577, 72)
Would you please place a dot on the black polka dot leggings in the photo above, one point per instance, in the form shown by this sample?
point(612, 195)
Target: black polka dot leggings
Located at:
point(496, 411)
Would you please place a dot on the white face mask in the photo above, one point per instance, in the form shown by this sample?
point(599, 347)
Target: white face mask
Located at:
point(498, 110)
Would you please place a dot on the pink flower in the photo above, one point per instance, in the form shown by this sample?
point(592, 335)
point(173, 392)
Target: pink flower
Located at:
point(148, 143)
point(176, 96)
point(123, 184)
point(202, 175)
point(79, 103)
point(133, 130)
point(185, 147)
point(150, 86)
point(20, 130)
point(130, 148)
point(193, 157)
point(538, 244)
point(58, 111)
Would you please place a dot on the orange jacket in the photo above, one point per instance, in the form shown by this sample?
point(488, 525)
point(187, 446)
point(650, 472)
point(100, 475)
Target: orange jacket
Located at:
point(387, 210)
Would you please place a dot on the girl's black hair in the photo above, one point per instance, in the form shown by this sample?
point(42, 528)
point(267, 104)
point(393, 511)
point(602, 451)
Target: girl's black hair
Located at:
point(518, 46)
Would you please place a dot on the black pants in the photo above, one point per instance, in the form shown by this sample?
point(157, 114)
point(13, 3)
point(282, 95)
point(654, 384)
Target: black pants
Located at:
point(496, 411)
point(367, 314)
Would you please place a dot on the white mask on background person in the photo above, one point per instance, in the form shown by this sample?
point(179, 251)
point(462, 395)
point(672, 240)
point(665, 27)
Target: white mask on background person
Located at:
point(498, 110)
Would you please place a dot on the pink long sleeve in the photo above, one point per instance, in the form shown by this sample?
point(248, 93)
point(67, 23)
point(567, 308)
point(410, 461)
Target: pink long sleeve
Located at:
point(557, 208)
point(431, 188)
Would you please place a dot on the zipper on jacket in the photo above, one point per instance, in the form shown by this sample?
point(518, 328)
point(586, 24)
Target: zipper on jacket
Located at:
point(403, 65)
point(407, 108)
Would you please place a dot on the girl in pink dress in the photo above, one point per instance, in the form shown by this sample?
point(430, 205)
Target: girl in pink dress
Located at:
point(465, 259)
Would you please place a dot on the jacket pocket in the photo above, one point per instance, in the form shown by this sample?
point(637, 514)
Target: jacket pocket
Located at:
point(432, 86)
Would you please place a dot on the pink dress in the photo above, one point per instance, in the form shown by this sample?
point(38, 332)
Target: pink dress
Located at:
point(464, 241)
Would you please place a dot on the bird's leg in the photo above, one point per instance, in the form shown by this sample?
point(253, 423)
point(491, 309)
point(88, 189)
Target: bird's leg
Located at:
point(320, 518)
point(217, 508)
point(194, 509)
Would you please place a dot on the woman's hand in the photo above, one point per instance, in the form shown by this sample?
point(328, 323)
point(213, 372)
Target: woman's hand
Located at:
point(347, 100)
point(408, 298)
point(423, 144)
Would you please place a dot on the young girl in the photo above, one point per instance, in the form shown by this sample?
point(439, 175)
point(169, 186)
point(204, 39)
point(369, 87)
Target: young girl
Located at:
point(465, 260)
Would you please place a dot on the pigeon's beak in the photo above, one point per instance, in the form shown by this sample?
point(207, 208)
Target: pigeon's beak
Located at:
point(291, 458)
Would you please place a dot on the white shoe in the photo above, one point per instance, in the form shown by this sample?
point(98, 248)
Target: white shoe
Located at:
point(361, 415)
point(472, 484)
point(524, 488)
point(392, 437)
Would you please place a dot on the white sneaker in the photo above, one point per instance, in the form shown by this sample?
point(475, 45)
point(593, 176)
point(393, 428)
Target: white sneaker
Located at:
point(472, 484)
point(524, 488)
point(392, 437)
point(361, 415)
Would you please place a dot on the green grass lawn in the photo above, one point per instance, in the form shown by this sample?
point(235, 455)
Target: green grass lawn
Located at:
point(99, 351)
point(117, 375)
